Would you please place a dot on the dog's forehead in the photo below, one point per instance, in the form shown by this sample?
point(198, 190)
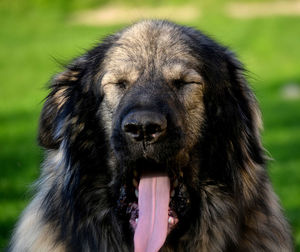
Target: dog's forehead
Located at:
point(149, 46)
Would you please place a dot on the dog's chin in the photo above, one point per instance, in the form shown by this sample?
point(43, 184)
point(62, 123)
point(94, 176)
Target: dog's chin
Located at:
point(178, 197)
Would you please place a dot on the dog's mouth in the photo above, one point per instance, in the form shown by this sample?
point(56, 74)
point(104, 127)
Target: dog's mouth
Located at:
point(154, 204)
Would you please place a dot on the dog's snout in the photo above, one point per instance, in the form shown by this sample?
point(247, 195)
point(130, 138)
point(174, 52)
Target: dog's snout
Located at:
point(144, 126)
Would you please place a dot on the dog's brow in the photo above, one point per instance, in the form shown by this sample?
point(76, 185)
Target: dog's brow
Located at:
point(108, 78)
point(181, 71)
point(124, 72)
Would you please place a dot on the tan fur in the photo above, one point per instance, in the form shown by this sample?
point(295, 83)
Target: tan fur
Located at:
point(148, 45)
point(32, 235)
point(60, 97)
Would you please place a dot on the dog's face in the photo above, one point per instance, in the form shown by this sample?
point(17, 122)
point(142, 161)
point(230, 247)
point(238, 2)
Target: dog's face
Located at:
point(167, 109)
point(152, 106)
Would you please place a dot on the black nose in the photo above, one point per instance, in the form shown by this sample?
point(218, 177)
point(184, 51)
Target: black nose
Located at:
point(144, 125)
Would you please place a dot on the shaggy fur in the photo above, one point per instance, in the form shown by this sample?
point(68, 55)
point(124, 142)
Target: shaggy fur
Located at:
point(224, 200)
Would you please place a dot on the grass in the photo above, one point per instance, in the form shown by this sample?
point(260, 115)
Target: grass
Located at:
point(31, 38)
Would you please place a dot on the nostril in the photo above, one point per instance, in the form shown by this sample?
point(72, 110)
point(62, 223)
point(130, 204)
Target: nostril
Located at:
point(131, 128)
point(134, 130)
point(152, 129)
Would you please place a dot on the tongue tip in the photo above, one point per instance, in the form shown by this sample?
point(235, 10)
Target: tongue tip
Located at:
point(152, 227)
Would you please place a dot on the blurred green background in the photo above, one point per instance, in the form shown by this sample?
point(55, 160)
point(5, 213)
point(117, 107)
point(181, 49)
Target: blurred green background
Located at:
point(37, 35)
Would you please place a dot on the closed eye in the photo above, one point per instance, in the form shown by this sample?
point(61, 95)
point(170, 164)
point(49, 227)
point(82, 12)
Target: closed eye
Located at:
point(122, 84)
point(179, 83)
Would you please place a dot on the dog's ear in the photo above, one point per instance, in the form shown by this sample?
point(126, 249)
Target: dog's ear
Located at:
point(65, 87)
point(233, 120)
point(244, 97)
point(246, 112)
point(74, 94)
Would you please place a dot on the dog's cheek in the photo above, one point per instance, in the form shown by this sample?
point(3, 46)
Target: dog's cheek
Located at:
point(112, 95)
point(106, 114)
point(192, 100)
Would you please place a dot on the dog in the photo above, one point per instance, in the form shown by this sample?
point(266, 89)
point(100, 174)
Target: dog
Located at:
point(152, 143)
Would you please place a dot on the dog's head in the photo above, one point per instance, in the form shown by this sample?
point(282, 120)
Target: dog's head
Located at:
point(160, 104)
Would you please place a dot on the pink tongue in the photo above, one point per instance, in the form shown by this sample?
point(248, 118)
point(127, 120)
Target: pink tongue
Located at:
point(152, 227)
